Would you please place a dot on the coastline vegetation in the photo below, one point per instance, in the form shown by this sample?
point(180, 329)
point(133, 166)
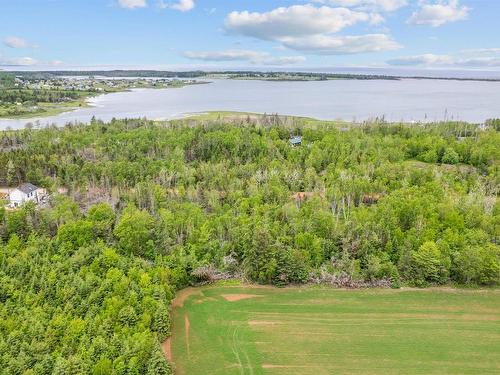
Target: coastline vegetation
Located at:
point(306, 76)
point(140, 209)
point(298, 76)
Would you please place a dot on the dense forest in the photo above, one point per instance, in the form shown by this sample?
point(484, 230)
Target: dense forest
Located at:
point(7, 80)
point(139, 209)
point(34, 97)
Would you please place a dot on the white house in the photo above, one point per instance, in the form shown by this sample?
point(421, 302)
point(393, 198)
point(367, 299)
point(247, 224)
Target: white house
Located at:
point(24, 193)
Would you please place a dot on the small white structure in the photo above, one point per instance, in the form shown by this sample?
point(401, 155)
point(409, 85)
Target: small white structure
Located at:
point(24, 193)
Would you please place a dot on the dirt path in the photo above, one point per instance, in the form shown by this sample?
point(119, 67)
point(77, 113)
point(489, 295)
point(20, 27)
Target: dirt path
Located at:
point(187, 327)
point(183, 295)
point(178, 302)
point(167, 349)
point(239, 297)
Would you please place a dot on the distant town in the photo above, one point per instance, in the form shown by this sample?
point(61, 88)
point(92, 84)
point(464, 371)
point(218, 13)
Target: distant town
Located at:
point(99, 84)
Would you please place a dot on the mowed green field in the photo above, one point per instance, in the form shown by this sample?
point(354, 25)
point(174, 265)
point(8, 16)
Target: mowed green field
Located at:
point(252, 330)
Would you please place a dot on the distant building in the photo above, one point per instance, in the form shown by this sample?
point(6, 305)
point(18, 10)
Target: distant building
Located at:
point(296, 141)
point(25, 193)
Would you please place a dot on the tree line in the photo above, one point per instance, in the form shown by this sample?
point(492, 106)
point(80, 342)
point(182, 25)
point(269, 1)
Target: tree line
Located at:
point(35, 96)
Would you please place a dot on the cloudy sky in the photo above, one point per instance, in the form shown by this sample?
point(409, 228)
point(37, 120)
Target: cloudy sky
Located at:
point(188, 34)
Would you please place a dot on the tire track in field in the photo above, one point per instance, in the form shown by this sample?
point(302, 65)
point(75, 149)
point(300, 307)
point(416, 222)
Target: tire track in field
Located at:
point(234, 348)
point(240, 352)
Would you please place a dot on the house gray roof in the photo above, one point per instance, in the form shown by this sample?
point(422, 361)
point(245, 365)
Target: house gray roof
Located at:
point(296, 140)
point(27, 188)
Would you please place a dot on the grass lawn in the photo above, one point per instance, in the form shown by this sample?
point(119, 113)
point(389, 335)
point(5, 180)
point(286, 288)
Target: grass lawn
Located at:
point(258, 330)
point(243, 116)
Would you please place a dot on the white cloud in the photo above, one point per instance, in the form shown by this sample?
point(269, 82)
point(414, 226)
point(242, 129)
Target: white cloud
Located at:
point(297, 20)
point(431, 60)
point(132, 4)
point(229, 55)
point(419, 60)
point(180, 5)
point(311, 29)
point(184, 5)
point(439, 13)
point(253, 57)
point(481, 51)
point(342, 45)
point(18, 61)
point(376, 18)
point(374, 5)
point(283, 60)
point(15, 42)
point(481, 62)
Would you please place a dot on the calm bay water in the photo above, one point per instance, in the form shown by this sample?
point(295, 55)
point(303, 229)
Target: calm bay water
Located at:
point(407, 100)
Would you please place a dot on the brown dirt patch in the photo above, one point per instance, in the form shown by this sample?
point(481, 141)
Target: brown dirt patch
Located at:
point(447, 289)
point(239, 297)
point(167, 349)
point(183, 295)
point(187, 327)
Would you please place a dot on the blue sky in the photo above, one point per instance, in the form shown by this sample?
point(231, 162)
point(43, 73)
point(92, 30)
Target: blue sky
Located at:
point(189, 34)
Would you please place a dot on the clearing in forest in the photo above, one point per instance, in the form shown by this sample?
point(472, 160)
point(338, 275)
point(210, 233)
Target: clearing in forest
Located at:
point(326, 331)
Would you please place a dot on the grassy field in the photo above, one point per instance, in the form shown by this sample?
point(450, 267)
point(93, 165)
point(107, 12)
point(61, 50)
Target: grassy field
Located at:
point(244, 116)
point(251, 330)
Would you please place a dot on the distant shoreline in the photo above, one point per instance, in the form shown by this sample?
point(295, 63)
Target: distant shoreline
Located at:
point(281, 76)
